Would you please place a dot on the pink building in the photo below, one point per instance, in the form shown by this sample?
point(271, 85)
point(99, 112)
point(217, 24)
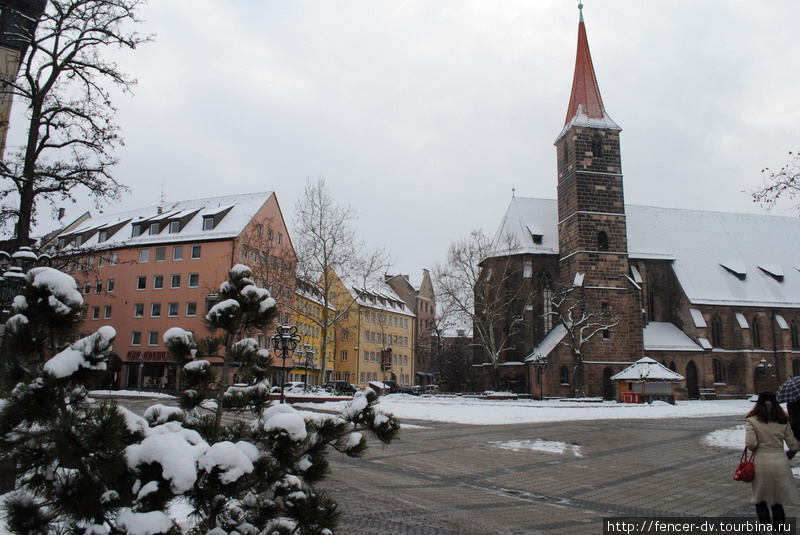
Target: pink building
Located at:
point(147, 270)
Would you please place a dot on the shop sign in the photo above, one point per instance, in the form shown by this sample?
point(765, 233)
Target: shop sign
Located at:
point(148, 355)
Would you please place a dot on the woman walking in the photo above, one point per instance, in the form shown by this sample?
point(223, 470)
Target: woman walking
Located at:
point(766, 429)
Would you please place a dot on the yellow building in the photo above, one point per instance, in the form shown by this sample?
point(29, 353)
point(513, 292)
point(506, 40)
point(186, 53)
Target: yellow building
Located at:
point(306, 365)
point(374, 337)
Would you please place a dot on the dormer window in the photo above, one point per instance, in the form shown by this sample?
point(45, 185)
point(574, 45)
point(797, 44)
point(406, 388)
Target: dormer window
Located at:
point(208, 223)
point(602, 241)
point(174, 227)
point(102, 236)
point(137, 230)
point(155, 228)
point(78, 240)
point(736, 269)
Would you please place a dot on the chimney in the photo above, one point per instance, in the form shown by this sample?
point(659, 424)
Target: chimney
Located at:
point(61, 212)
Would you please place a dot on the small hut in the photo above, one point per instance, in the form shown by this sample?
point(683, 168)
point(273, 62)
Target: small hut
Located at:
point(645, 381)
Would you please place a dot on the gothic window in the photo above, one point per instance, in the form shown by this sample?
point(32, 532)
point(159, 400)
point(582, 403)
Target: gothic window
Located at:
point(720, 372)
point(795, 335)
point(547, 302)
point(597, 145)
point(565, 153)
point(602, 241)
point(755, 332)
point(672, 366)
point(716, 331)
point(564, 375)
point(651, 301)
point(796, 368)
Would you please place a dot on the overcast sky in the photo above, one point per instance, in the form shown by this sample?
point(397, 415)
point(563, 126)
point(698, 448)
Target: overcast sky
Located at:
point(424, 114)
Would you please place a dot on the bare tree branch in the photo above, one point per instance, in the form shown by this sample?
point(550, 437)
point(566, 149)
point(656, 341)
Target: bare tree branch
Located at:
point(64, 84)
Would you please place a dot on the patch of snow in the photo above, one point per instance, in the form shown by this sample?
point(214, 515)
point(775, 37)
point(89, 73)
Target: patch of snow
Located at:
point(546, 446)
point(143, 523)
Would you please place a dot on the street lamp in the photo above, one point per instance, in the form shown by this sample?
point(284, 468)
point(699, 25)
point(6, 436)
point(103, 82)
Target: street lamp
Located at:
point(309, 353)
point(285, 341)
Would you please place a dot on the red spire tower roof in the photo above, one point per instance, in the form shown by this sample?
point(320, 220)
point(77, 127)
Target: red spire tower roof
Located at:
point(585, 103)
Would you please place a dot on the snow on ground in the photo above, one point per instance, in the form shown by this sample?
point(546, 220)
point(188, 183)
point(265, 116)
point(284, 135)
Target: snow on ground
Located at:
point(733, 438)
point(130, 394)
point(545, 446)
point(487, 412)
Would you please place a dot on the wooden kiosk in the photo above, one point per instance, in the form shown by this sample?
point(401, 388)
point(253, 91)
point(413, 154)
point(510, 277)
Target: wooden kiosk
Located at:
point(646, 381)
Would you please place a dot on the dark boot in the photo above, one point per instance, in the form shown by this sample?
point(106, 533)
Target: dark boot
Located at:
point(762, 512)
point(778, 516)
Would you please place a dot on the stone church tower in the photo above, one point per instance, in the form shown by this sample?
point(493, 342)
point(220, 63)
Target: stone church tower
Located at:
point(592, 233)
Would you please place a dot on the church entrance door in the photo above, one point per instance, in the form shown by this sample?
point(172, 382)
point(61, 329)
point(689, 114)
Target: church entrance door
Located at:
point(691, 381)
point(608, 386)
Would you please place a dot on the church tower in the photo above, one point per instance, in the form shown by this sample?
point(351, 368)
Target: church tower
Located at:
point(592, 232)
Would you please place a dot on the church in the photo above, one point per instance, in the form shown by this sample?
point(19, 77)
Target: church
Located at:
point(712, 296)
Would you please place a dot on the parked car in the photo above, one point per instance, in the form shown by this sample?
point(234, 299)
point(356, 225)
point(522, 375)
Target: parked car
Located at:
point(292, 387)
point(342, 387)
point(415, 390)
point(431, 389)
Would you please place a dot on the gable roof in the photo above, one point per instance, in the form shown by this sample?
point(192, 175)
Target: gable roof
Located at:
point(719, 258)
point(647, 369)
point(231, 214)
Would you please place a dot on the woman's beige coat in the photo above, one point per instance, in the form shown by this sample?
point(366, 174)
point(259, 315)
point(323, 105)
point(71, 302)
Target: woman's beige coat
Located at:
point(774, 482)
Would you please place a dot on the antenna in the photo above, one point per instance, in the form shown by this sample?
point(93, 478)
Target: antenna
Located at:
point(162, 193)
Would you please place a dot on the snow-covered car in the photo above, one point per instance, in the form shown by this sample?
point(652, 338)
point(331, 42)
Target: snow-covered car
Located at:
point(292, 387)
point(415, 390)
point(341, 387)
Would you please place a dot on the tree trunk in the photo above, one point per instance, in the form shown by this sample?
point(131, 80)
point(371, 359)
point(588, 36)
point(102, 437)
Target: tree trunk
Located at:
point(222, 385)
point(577, 375)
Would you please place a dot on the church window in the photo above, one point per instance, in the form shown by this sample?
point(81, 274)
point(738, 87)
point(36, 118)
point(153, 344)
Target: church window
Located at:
point(795, 335)
point(564, 375)
point(597, 145)
point(672, 366)
point(720, 372)
point(602, 241)
point(796, 368)
point(755, 332)
point(716, 331)
point(651, 299)
point(547, 302)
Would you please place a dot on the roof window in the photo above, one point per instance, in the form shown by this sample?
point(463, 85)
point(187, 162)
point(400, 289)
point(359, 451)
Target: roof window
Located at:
point(737, 269)
point(773, 270)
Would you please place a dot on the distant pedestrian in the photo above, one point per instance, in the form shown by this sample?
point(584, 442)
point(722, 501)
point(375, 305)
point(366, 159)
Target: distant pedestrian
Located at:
point(766, 429)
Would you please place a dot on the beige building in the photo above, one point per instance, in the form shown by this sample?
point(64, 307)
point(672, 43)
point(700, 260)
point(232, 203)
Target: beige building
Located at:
point(147, 270)
point(309, 303)
point(421, 301)
point(375, 336)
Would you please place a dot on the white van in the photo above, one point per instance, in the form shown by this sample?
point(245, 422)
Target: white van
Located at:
point(431, 389)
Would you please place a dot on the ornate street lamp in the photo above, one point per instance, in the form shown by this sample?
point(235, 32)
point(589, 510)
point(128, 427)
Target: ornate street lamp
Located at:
point(284, 342)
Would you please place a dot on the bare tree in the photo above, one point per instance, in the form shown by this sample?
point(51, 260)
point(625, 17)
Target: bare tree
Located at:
point(449, 350)
point(64, 83)
point(327, 247)
point(582, 321)
point(481, 282)
point(785, 181)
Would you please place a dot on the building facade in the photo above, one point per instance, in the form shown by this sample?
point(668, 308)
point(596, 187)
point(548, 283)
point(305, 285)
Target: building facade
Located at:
point(145, 271)
point(309, 303)
point(374, 337)
point(421, 301)
point(713, 296)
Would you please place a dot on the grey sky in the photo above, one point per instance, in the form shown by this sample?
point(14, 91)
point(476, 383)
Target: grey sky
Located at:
point(423, 115)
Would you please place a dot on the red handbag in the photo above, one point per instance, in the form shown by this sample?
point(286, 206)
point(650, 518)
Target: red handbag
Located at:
point(746, 471)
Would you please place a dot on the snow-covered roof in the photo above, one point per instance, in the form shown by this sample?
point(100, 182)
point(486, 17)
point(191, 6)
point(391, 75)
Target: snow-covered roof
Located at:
point(647, 369)
point(241, 208)
point(548, 343)
point(719, 258)
point(377, 294)
point(664, 336)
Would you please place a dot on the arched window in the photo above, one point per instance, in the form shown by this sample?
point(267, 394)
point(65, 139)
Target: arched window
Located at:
point(602, 241)
point(672, 366)
point(716, 331)
point(795, 335)
point(755, 332)
point(796, 368)
point(597, 145)
point(546, 293)
point(720, 373)
point(564, 374)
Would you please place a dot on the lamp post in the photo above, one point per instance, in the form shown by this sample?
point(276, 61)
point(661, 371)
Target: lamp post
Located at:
point(309, 354)
point(285, 341)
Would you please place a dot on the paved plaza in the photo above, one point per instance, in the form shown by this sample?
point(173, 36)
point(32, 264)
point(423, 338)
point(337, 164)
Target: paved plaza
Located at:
point(454, 479)
point(448, 479)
